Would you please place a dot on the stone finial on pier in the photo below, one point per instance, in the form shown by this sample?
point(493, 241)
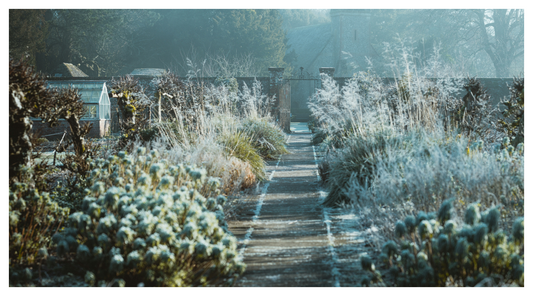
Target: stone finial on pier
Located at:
point(276, 76)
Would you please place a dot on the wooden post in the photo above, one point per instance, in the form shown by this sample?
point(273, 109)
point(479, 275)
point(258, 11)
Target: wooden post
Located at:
point(159, 106)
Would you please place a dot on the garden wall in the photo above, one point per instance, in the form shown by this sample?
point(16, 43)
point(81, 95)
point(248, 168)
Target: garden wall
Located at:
point(101, 128)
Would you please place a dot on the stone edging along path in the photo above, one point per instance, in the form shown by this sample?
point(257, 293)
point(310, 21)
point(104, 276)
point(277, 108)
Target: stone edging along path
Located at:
point(287, 239)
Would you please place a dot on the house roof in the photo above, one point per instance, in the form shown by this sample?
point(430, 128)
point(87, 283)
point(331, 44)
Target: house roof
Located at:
point(148, 72)
point(92, 92)
point(67, 70)
point(309, 42)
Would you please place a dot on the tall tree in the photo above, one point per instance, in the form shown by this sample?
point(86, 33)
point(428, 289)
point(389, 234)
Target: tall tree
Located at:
point(464, 34)
point(231, 33)
point(96, 40)
point(28, 30)
point(502, 36)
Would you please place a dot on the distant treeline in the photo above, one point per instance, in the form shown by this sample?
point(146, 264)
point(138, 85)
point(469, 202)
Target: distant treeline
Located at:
point(244, 42)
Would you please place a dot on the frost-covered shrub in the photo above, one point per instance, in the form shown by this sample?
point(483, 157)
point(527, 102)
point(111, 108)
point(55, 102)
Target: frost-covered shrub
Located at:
point(146, 221)
point(33, 217)
point(512, 122)
point(429, 168)
point(436, 252)
point(355, 163)
point(267, 138)
point(473, 113)
point(132, 102)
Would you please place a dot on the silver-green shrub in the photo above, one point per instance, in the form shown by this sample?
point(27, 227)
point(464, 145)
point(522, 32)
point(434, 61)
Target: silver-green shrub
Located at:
point(479, 254)
point(147, 221)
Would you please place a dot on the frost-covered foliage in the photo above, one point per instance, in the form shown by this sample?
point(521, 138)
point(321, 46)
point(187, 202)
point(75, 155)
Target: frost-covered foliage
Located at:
point(394, 149)
point(414, 99)
point(132, 102)
point(33, 217)
point(147, 221)
point(435, 251)
point(185, 100)
point(369, 121)
point(421, 171)
point(234, 125)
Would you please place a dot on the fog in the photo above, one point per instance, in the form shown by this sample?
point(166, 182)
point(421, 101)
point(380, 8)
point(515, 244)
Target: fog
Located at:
point(244, 43)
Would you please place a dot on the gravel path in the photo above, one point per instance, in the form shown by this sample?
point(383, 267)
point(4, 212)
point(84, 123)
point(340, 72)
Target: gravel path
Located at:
point(287, 238)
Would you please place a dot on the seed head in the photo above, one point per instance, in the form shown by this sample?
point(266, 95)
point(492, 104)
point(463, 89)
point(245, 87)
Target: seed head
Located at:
point(156, 170)
point(97, 253)
point(480, 233)
point(443, 243)
point(500, 254)
point(144, 181)
point(472, 215)
point(133, 259)
point(389, 248)
point(62, 248)
point(202, 249)
point(165, 232)
point(492, 217)
point(125, 235)
point(461, 249)
point(425, 230)
point(90, 278)
point(103, 240)
point(210, 203)
point(450, 227)
point(408, 259)
point(410, 223)
point(106, 224)
point(153, 239)
point(198, 175)
point(500, 237)
point(400, 229)
point(94, 210)
point(229, 242)
point(98, 188)
point(42, 253)
point(190, 230)
point(117, 263)
point(186, 246)
point(111, 197)
point(366, 263)
point(83, 253)
point(445, 211)
point(421, 217)
point(518, 230)
point(166, 255)
point(166, 182)
point(139, 243)
point(141, 151)
point(221, 200)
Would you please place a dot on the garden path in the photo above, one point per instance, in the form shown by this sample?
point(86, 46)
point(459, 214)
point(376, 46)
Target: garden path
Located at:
point(287, 239)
